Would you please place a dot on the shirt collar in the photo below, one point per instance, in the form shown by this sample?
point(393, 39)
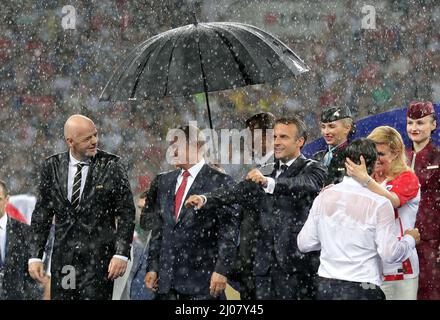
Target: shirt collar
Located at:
point(288, 163)
point(73, 161)
point(3, 221)
point(195, 169)
point(351, 181)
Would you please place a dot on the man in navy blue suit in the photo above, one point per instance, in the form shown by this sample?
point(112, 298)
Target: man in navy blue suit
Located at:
point(15, 282)
point(191, 251)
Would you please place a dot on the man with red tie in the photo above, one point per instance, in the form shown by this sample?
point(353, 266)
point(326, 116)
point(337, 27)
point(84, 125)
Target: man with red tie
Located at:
point(191, 251)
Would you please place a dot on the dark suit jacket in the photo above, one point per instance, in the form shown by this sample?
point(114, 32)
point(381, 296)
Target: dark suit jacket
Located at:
point(186, 253)
point(87, 238)
point(17, 284)
point(282, 214)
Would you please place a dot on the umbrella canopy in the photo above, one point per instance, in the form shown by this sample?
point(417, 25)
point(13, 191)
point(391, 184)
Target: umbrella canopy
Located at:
point(202, 57)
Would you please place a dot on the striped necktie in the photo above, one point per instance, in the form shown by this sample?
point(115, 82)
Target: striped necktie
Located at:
point(76, 189)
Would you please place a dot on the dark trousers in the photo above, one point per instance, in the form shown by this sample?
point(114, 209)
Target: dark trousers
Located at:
point(333, 289)
point(90, 281)
point(174, 295)
point(247, 286)
point(277, 285)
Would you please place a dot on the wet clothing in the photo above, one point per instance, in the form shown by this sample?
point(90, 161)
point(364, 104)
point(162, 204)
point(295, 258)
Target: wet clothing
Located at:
point(88, 237)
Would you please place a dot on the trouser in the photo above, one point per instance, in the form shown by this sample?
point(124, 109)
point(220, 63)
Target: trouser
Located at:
point(247, 286)
point(276, 284)
point(85, 280)
point(401, 289)
point(334, 289)
point(174, 295)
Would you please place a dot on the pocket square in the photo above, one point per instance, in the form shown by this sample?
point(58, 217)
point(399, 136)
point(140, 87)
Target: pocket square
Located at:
point(100, 186)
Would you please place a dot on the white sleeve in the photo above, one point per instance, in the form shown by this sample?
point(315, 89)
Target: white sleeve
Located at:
point(389, 247)
point(270, 185)
point(123, 258)
point(308, 238)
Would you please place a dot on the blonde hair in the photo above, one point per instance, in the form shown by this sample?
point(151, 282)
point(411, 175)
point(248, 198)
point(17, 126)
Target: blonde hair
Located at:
point(347, 122)
point(391, 137)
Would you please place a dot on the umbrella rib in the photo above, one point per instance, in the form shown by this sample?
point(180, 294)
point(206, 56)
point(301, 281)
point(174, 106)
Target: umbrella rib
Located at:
point(241, 66)
point(139, 72)
point(169, 63)
point(205, 85)
point(127, 62)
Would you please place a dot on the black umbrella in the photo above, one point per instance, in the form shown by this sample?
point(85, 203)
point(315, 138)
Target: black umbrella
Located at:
point(202, 57)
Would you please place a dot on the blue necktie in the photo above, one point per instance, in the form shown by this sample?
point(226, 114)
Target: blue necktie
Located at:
point(329, 156)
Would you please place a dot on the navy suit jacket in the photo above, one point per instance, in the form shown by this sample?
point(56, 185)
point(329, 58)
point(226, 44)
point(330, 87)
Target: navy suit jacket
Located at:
point(186, 252)
point(17, 283)
point(281, 214)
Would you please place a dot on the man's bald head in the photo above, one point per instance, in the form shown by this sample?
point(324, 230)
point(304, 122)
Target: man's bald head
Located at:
point(75, 123)
point(81, 136)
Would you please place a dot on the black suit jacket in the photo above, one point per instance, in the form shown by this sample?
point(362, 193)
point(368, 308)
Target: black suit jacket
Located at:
point(17, 284)
point(186, 253)
point(281, 214)
point(86, 238)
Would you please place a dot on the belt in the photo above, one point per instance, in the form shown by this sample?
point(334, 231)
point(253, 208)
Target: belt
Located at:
point(364, 285)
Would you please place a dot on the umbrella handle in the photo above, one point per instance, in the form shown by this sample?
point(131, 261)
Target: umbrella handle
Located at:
point(209, 110)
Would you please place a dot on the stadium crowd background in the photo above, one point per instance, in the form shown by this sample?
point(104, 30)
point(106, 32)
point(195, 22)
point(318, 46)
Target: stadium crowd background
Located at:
point(47, 73)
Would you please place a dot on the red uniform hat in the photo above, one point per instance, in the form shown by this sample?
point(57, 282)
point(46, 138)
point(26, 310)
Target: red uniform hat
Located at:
point(417, 110)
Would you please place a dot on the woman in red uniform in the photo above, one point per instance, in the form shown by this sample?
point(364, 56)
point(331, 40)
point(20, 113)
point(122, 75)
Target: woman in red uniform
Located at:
point(424, 159)
point(395, 180)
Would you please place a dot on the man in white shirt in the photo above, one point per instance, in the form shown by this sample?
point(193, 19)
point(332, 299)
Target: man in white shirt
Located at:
point(353, 228)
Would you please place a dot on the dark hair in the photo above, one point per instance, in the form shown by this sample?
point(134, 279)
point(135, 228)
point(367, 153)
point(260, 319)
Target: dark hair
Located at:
point(300, 125)
point(362, 147)
point(4, 187)
point(263, 120)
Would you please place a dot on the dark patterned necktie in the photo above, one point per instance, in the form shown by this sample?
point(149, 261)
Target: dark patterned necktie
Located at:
point(76, 189)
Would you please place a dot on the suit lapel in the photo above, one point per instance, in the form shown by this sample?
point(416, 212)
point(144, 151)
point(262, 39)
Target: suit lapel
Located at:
point(9, 241)
point(295, 167)
point(63, 170)
point(196, 188)
point(170, 194)
point(90, 180)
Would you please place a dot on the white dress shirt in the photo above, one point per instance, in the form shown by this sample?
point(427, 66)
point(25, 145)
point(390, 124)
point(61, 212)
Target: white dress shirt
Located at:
point(271, 181)
point(354, 229)
point(3, 223)
point(193, 172)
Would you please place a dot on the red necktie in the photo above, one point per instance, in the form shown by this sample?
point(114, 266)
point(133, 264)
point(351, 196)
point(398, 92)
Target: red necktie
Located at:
point(179, 194)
